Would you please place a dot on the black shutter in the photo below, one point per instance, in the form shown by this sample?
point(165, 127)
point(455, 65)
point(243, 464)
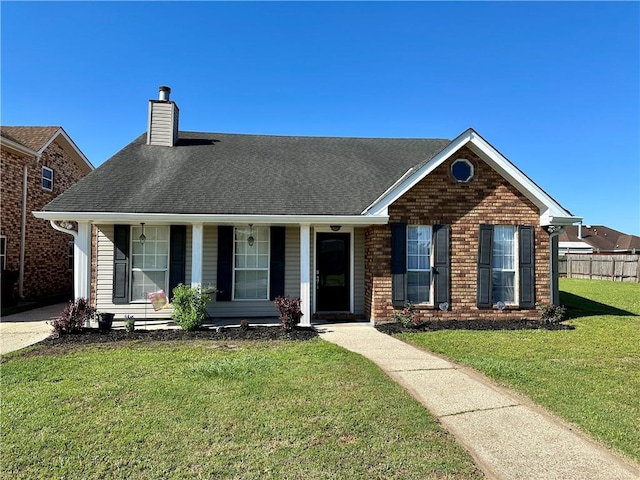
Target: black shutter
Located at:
point(178, 255)
point(484, 280)
point(276, 267)
point(225, 263)
point(441, 265)
point(121, 263)
point(527, 266)
point(398, 264)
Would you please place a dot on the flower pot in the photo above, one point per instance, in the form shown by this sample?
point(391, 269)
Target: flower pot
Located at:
point(104, 321)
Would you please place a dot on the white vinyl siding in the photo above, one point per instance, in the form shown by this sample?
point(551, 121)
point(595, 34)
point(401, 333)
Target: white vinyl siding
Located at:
point(254, 308)
point(104, 282)
point(163, 126)
point(358, 271)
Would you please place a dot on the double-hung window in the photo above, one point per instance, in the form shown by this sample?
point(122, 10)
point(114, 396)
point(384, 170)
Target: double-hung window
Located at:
point(47, 178)
point(149, 261)
point(419, 264)
point(503, 265)
point(251, 263)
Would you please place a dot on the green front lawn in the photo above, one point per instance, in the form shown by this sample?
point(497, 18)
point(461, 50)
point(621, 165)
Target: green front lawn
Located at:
point(590, 376)
point(199, 409)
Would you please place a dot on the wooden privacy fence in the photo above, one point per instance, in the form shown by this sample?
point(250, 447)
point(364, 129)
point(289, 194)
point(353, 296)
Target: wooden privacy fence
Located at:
point(619, 268)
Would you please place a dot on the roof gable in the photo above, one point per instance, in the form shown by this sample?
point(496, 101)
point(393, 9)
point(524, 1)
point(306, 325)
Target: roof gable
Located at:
point(34, 138)
point(551, 212)
point(35, 141)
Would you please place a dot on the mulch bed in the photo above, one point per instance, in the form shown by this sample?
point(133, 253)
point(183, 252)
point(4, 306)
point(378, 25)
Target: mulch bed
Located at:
point(431, 326)
point(92, 335)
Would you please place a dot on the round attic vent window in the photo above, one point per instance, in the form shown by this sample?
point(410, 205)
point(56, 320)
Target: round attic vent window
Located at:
point(462, 170)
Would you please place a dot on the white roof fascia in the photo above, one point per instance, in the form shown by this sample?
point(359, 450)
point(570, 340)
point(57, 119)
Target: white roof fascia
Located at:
point(18, 147)
point(551, 211)
point(574, 245)
point(176, 218)
point(61, 131)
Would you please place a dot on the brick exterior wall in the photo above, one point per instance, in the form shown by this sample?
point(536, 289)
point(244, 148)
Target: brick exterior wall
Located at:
point(46, 271)
point(438, 199)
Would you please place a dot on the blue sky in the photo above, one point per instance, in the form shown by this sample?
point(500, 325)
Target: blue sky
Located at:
point(555, 86)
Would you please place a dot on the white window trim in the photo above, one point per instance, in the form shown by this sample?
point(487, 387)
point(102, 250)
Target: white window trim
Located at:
point(516, 266)
point(268, 269)
point(469, 164)
point(430, 270)
point(132, 269)
point(43, 178)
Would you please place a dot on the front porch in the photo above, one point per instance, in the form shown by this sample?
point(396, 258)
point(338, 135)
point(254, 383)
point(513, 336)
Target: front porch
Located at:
point(321, 264)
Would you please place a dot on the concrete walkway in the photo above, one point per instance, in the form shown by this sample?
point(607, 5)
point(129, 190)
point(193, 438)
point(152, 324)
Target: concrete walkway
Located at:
point(26, 328)
point(508, 437)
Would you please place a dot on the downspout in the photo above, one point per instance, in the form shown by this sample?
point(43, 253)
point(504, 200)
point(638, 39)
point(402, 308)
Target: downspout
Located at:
point(23, 229)
point(554, 295)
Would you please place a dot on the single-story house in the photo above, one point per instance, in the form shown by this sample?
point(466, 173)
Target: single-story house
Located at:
point(355, 227)
point(598, 239)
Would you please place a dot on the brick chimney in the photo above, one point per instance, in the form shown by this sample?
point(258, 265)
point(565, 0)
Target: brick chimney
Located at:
point(163, 120)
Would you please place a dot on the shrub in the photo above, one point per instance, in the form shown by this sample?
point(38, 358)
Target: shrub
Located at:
point(129, 323)
point(550, 313)
point(73, 317)
point(190, 306)
point(289, 311)
point(407, 316)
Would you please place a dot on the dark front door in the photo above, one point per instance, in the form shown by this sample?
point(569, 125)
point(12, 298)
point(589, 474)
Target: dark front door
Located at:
point(332, 275)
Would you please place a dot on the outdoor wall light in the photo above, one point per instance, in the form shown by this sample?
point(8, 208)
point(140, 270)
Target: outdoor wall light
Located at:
point(251, 240)
point(142, 237)
point(335, 228)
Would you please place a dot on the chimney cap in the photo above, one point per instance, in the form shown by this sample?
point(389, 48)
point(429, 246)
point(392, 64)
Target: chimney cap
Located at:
point(164, 92)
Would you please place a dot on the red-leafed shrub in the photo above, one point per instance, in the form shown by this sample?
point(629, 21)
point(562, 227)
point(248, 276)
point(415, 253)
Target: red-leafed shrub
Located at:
point(73, 317)
point(289, 311)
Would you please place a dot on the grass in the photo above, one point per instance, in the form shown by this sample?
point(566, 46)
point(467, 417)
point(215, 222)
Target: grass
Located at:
point(204, 409)
point(590, 376)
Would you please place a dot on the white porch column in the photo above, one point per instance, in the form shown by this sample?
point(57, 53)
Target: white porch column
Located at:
point(197, 242)
point(305, 269)
point(82, 261)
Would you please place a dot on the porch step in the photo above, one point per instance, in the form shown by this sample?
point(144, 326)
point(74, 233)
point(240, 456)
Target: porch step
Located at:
point(339, 317)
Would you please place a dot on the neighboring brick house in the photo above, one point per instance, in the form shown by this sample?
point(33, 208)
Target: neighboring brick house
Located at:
point(356, 227)
point(37, 165)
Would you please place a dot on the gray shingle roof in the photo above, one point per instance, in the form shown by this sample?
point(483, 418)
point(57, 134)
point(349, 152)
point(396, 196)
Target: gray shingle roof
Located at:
point(216, 173)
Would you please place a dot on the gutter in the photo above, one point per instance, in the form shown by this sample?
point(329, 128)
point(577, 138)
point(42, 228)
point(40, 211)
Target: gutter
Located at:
point(225, 219)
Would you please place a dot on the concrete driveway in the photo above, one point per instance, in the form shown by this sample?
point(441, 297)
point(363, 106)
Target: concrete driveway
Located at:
point(23, 329)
